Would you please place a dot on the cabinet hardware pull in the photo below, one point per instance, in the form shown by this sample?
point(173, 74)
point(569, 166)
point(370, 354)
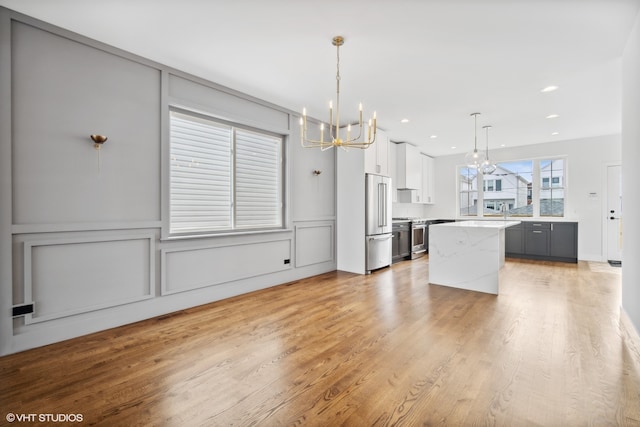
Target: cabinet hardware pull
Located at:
point(537, 231)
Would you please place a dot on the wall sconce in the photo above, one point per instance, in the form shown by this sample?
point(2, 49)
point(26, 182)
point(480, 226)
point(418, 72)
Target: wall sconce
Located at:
point(317, 172)
point(98, 140)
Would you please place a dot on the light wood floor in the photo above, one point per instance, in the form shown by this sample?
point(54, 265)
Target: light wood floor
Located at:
point(343, 349)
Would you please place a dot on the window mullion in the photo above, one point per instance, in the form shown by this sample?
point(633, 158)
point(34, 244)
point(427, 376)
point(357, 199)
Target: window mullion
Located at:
point(535, 188)
point(233, 167)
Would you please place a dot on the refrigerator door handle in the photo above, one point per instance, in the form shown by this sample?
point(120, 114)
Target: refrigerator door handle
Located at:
point(386, 205)
point(381, 237)
point(383, 193)
point(381, 205)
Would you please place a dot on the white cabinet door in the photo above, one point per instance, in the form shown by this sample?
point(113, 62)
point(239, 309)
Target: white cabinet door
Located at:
point(376, 157)
point(409, 167)
point(393, 171)
point(427, 179)
point(410, 196)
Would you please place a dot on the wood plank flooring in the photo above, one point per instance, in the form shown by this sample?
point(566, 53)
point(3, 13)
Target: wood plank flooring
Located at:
point(343, 349)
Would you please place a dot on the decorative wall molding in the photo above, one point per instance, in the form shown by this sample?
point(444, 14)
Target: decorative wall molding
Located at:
point(62, 275)
point(314, 243)
point(189, 268)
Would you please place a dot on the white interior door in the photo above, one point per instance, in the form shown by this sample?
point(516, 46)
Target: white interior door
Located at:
point(614, 213)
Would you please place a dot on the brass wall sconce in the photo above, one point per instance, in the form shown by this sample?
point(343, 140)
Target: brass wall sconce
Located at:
point(98, 140)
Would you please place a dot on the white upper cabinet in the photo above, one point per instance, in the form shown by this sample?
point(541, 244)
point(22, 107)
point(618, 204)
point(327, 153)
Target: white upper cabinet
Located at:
point(376, 157)
point(424, 194)
point(393, 169)
point(427, 179)
point(409, 167)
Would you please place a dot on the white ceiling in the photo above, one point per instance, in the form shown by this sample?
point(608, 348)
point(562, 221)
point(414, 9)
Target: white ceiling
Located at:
point(432, 61)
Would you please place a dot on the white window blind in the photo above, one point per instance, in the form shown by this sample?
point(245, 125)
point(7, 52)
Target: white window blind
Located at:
point(200, 174)
point(258, 202)
point(222, 177)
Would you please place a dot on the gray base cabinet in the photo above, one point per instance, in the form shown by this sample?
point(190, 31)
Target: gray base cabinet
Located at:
point(514, 239)
point(536, 238)
point(564, 239)
point(552, 241)
point(401, 245)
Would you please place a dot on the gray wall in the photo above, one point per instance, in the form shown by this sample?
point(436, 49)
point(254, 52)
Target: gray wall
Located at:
point(84, 233)
point(630, 193)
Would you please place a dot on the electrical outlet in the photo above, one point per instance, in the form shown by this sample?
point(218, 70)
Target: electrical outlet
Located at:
point(22, 309)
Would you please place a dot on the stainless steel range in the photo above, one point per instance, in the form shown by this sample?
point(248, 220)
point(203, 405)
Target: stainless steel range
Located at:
point(419, 236)
point(419, 230)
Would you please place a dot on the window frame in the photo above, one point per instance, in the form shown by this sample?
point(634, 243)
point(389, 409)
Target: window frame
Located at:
point(533, 191)
point(168, 234)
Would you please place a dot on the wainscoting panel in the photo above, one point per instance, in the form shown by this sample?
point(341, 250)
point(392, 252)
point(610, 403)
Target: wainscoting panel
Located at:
point(64, 277)
point(188, 268)
point(314, 243)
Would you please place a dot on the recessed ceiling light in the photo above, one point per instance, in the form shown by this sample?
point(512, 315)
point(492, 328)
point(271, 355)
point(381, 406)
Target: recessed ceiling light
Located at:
point(552, 116)
point(555, 133)
point(433, 136)
point(404, 121)
point(549, 89)
point(453, 148)
point(503, 145)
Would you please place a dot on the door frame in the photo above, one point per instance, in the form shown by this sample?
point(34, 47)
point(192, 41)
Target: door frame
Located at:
point(605, 208)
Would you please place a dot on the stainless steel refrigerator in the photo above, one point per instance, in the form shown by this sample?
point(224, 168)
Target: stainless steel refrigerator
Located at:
point(378, 221)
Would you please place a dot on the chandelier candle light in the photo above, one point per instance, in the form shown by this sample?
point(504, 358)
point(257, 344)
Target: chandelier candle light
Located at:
point(334, 139)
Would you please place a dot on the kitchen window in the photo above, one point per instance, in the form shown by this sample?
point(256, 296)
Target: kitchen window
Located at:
point(468, 191)
point(223, 177)
point(524, 188)
point(552, 190)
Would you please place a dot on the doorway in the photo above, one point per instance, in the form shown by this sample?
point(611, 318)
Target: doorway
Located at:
point(614, 215)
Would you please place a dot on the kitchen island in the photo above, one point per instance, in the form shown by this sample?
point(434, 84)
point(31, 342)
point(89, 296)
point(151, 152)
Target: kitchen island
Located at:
point(467, 254)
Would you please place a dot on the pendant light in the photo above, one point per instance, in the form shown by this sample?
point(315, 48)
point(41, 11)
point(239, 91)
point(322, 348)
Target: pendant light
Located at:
point(487, 167)
point(475, 158)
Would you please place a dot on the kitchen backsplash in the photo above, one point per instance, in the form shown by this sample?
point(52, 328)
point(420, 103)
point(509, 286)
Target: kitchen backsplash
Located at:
point(401, 210)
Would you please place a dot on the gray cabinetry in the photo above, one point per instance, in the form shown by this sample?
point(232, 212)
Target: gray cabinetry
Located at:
point(401, 245)
point(536, 238)
point(514, 239)
point(563, 240)
point(552, 241)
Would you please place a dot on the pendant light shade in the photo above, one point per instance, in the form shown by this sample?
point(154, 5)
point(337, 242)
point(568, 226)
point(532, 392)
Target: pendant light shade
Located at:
point(475, 158)
point(487, 167)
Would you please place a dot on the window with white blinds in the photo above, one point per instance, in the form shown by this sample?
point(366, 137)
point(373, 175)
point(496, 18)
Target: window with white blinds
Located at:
point(222, 177)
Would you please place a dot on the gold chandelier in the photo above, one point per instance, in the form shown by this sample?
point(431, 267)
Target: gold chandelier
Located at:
point(334, 138)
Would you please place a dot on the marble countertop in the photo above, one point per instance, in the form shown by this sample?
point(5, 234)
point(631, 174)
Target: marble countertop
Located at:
point(521, 218)
point(490, 219)
point(478, 224)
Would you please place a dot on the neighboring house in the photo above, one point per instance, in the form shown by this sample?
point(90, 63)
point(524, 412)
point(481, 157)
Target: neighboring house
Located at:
point(502, 187)
point(552, 186)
